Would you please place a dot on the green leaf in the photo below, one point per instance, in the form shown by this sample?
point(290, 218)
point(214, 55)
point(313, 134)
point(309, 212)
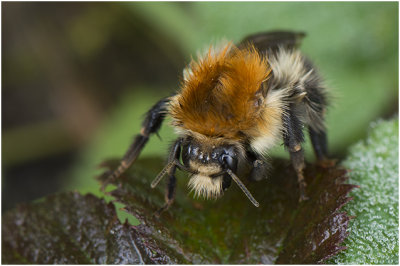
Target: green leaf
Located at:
point(73, 229)
point(231, 230)
point(374, 235)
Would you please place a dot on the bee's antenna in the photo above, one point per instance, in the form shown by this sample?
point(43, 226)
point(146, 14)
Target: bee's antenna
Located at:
point(242, 187)
point(162, 174)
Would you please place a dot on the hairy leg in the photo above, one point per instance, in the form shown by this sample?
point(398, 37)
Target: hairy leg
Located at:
point(151, 124)
point(293, 138)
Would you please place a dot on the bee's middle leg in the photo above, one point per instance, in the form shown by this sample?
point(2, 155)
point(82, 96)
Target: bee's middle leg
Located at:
point(293, 137)
point(152, 123)
point(297, 158)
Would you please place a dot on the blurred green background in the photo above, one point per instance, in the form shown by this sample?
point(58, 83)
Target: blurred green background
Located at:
point(78, 77)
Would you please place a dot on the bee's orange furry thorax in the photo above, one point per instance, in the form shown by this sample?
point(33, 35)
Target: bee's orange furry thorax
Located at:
point(222, 95)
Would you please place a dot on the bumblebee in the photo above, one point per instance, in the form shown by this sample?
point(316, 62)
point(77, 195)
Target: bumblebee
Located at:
point(235, 103)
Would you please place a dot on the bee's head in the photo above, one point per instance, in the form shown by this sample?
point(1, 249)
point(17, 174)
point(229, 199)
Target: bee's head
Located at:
point(208, 164)
point(212, 165)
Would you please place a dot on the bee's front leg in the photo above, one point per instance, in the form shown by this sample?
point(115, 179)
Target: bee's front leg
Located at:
point(174, 155)
point(170, 192)
point(259, 167)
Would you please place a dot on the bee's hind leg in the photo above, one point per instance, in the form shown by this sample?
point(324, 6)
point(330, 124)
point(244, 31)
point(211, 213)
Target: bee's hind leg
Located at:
point(293, 137)
point(320, 146)
point(319, 143)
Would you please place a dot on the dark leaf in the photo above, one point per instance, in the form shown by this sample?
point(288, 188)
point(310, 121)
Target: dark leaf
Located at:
point(71, 228)
point(74, 229)
point(231, 229)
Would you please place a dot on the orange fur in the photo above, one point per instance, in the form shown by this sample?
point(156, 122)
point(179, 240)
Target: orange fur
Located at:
point(222, 96)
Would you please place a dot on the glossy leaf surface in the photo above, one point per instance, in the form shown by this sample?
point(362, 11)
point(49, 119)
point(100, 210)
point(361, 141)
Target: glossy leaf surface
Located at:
point(74, 229)
point(231, 229)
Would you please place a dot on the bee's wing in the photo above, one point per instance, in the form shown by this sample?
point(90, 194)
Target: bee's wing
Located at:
point(273, 39)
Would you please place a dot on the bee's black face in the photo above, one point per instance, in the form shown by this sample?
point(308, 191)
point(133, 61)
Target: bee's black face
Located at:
point(213, 168)
point(225, 156)
point(209, 164)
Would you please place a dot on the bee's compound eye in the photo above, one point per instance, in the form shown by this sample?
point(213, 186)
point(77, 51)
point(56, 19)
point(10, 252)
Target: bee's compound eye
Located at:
point(229, 161)
point(194, 151)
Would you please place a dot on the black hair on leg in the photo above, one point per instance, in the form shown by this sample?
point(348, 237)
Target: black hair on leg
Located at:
point(319, 143)
point(151, 124)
